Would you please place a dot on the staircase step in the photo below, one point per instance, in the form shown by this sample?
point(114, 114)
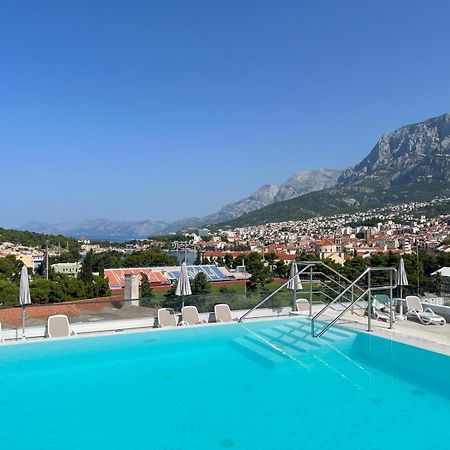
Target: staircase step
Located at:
point(288, 345)
point(266, 344)
point(299, 333)
point(331, 335)
point(258, 351)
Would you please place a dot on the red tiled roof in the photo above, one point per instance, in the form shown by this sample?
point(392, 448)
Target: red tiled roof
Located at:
point(116, 277)
point(324, 242)
point(286, 256)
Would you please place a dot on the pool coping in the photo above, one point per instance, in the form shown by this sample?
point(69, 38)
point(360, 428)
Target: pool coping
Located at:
point(404, 332)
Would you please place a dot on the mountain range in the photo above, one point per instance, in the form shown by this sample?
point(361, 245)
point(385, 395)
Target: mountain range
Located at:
point(117, 230)
point(411, 163)
point(299, 184)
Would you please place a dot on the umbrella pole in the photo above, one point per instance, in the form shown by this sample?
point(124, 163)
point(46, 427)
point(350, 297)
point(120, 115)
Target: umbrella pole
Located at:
point(23, 321)
point(295, 298)
point(401, 303)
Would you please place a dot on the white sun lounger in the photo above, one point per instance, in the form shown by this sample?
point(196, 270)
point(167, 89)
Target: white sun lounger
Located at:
point(381, 308)
point(1, 333)
point(425, 316)
point(166, 318)
point(58, 326)
point(189, 316)
point(223, 313)
point(302, 307)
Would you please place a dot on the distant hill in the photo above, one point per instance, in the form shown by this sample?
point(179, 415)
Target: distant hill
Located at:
point(117, 230)
point(33, 239)
point(300, 183)
point(101, 229)
point(411, 163)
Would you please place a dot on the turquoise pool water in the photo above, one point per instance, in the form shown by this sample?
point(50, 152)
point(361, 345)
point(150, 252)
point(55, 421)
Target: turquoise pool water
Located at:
point(261, 385)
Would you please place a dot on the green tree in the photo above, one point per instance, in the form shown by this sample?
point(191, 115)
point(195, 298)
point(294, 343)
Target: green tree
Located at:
point(198, 258)
point(306, 257)
point(354, 267)
point(86, 268)
point(148, 258)
point(270, 258)
point(109, 260)
point(438, 282)
point(31, 239)
point(99, 287)
point(260, 273)
point(101, 269)
point(281, 270)
point(10, 268)
point(40, 290)
point(146, 287)
point(72, 255)
point(74, 288)
point(200, 284)
point(229, 261)
point(9, 293)
point(171, 291)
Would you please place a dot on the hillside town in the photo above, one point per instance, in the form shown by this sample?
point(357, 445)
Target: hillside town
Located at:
point(340, 237)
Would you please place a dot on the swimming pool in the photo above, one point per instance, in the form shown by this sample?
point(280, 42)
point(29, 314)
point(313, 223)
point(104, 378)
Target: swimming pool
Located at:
point(260, 385)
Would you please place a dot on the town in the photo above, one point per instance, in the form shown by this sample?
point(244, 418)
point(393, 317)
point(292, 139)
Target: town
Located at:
point(338, 238)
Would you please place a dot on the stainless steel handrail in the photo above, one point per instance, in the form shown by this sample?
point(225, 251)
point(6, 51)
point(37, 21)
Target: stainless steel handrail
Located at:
point(330, 324)
point(331, 288)
point(347, 294)
point(331, 269)
point(317, 262)
point(272, 294)
point(343, 286)
point(368, 291)
point(341, 294)
point(329, 297)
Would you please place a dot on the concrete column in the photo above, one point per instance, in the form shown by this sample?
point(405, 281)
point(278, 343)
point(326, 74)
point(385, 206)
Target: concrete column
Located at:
point(132, 288)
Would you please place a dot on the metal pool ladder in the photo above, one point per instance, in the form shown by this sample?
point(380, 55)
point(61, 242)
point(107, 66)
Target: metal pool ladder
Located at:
point(363, 293)
point(337, 290)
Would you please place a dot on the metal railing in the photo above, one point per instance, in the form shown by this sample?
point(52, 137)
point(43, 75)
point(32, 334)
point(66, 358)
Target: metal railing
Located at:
point(340, 284)
point(317, 278)
point(336, 289)
point(273, 293)
point(365, 292)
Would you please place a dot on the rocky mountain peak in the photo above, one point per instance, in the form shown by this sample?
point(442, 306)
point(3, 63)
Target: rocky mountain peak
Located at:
point(411, 153)
point(300, 183)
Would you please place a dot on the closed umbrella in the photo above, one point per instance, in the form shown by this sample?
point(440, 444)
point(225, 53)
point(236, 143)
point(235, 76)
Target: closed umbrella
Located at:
point(183, 286)
point(24, 295)
point(294, 282)
point(402, 281)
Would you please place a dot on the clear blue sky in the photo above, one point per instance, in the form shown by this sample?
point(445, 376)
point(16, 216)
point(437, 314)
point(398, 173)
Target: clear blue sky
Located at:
point(162, 110)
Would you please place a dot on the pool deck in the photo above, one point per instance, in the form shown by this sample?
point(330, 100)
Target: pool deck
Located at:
point(430, 337)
